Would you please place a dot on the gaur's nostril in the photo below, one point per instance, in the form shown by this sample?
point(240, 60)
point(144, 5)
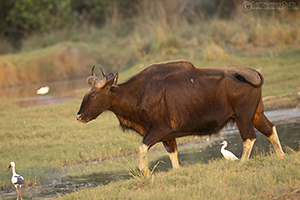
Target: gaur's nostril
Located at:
point(78, 118)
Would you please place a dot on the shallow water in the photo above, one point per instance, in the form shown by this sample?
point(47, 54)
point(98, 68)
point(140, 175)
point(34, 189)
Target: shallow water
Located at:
point(59, 92)
point(29, 90)
point(288, 128)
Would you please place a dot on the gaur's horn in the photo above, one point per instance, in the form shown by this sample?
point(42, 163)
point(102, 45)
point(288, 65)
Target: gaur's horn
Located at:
point(93, 73)
point(103, 72)
point(104, 80)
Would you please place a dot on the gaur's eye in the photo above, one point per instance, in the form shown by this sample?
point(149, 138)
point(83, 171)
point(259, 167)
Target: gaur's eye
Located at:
point(92, 96)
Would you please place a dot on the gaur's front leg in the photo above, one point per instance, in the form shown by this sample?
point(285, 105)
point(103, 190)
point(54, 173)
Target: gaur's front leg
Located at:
point(144, 160)
point(171, 148)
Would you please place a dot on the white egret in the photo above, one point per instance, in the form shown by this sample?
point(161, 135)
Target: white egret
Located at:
point(16, 179)
point(43, 90)
point(227, 154)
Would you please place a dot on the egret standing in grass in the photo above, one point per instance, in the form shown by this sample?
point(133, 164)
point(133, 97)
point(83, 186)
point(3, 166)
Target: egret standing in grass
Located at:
point(227, 154)
point(16, 179)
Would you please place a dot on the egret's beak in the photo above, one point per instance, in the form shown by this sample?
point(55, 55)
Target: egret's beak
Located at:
point(221, 143)
point(8, 168)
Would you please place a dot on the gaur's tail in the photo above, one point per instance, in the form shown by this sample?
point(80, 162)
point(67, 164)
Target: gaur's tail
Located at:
point(247, 75)
point(242, 78)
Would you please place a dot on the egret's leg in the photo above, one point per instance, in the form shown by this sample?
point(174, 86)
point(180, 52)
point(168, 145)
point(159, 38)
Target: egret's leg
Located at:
point(20, 193)
point(17, 192)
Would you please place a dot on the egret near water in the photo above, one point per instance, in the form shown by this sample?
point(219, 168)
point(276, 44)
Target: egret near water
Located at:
point(16, 179)
point(43, 90)
point(227, 154)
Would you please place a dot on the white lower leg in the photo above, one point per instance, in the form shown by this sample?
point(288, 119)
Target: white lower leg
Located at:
point(174, 159)
point(248, 145)
point(143, 159)
point(276, 143)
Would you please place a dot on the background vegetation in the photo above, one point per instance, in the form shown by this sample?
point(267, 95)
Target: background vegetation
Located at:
point(56, 40)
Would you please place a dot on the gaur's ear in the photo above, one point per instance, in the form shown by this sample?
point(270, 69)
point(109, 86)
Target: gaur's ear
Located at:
point(110, 76)
point(91, 80)
point(95, 82)
point(115, 79)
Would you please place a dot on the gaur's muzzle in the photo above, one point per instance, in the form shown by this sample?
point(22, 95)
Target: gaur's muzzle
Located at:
point(79, 118)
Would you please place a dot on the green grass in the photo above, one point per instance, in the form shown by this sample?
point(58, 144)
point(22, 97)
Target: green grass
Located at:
point(45, 138)
point(263, 177)
point(61, 141)
point(49, 137)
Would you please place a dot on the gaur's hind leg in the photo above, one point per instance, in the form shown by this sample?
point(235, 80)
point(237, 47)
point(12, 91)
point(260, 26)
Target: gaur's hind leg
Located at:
point(247, 148)
point(247, 133)
point(263, 125)
point(171, 148)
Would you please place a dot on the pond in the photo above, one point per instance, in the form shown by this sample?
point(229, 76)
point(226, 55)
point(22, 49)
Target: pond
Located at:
point(59, 92)
point(57, 88)
point(288, 128)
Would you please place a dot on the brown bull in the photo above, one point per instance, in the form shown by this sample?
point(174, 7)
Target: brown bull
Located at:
point(174, 99)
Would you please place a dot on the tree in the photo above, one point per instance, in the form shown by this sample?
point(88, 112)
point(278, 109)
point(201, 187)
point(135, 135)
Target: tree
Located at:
point(20, 18)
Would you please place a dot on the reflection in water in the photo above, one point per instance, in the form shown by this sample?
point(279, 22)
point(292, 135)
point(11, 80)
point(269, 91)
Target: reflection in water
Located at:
point(43, 100)
point(288, 130)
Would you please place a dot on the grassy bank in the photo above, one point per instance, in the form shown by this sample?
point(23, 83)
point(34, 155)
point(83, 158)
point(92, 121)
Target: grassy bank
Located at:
point(263, 177)
point(43, 139)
